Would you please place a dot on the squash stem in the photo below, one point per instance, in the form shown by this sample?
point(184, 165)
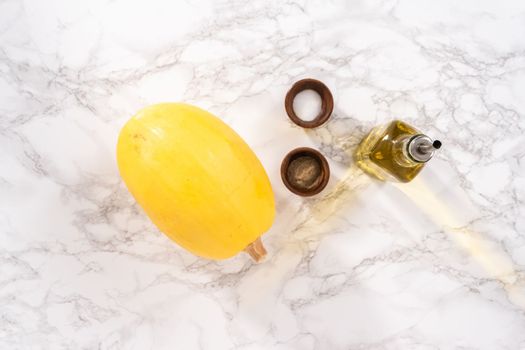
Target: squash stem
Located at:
point(256, 250)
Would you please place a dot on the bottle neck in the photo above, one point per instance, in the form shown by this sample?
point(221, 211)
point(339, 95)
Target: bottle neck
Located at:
point(411, 150)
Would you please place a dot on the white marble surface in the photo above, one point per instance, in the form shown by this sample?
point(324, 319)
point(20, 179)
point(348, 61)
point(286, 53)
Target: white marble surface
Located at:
point(435, 264)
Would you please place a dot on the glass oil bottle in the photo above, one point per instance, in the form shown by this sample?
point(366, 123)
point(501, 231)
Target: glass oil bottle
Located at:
point(395, 151)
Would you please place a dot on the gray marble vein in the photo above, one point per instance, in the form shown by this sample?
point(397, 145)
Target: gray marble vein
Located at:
point(438, 263)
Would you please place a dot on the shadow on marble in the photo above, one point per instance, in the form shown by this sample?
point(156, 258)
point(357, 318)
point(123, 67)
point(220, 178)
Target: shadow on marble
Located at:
point(339, 137)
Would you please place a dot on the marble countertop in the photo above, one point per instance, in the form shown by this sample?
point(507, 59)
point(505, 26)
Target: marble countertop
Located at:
point(438, 263)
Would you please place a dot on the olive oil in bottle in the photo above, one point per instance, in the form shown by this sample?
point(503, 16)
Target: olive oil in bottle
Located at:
point(395, 151)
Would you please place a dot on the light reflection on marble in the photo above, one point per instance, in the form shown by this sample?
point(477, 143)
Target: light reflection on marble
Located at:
point(435, 264)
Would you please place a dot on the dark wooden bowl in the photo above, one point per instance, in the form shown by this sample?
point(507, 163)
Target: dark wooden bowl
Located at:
point(327, 102)
point(305, 171)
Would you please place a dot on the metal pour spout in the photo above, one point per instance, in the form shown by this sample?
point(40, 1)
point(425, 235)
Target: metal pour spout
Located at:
point(421, 148)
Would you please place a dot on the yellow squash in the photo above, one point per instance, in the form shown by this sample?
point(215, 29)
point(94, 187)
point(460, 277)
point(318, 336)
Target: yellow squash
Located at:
point(197, 180)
